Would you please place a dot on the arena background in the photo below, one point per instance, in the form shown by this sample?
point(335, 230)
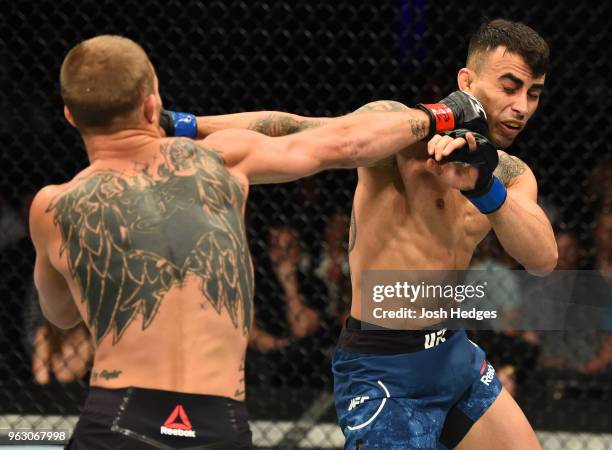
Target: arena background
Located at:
point(311, 58)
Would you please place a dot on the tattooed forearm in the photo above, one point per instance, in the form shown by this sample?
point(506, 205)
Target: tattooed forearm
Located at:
point(279, 124)
point(418, 128)
point(382, 106)
point(508, 168)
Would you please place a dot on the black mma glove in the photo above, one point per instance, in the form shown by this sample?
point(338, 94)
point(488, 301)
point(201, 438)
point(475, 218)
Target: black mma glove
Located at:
point(458, 110)
point(178, 124)
point(489, 193)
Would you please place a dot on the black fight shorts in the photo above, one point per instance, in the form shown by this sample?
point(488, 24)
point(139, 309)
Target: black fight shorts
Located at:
point(145, 419)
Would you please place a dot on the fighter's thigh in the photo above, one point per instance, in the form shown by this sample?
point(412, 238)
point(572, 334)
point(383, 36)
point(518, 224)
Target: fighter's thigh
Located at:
point(391, 424)
point(502, 427)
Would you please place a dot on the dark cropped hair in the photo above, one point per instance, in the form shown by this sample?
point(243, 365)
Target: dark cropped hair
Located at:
point(516, 37)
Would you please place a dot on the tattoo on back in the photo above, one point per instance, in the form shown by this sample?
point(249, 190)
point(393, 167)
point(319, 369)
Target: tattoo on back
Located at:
point(281, 124)
point(508, 168)
point(240, 390)
point(129, 239)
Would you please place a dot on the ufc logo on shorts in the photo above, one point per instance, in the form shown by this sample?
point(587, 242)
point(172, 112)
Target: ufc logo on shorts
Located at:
point(435, 338)
point(355, 402)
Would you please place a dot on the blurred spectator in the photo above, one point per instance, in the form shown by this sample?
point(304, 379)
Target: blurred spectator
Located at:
point(603, 242)
point(505, 348)
point(493, 264)
point(600, 185)
point(14, 221)
point(65, 354)
point(333, 267)
point(507, 376)
point(571, 304)
point(568, 250)
point(286, 255)
point(16, 262)
point(602, 360)
point(290, 340)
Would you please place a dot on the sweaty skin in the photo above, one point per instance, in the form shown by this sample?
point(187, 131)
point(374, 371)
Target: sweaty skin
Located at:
point(147, 245)
point(409, 217)
point(409, 214)
point(156, 257)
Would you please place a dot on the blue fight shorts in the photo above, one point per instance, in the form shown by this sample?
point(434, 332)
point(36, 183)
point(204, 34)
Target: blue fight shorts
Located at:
point(401, 390)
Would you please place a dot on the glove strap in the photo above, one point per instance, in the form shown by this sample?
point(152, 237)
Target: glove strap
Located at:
point(492, 199)
point(185, 124)
point(441, 118)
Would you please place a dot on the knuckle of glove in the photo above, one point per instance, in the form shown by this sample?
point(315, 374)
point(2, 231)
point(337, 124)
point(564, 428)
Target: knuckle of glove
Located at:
point(468, 111)
point(484, 158)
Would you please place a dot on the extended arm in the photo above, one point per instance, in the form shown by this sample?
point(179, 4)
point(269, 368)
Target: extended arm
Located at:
point(270, 123)
point(520, 224)
point(277, 123)
point(346, 142)
point(55, 298)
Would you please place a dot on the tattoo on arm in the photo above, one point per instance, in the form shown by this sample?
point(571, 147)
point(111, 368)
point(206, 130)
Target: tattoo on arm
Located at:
point(418, 129)
point(391, 106)
point(280, 124)
point(382, 106)
point(508, 168)
point(352, 231)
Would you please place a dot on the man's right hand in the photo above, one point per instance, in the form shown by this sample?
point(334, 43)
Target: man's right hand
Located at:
point(458, 110)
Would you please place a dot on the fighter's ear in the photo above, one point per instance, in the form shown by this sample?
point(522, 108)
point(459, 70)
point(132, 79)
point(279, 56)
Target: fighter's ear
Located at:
point(68, 116)
point(151, 109)
point(465, 79)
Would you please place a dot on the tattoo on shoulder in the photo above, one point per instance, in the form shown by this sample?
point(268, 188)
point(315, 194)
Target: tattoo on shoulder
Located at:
point(382, 106)
point(508, 168)
point(280, 124)
point(130, 238)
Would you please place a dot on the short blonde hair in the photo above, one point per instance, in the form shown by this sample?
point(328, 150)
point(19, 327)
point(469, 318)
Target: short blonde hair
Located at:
point(104, 80)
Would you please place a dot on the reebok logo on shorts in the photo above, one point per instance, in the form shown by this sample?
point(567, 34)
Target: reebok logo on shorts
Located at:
point(178, 424)
point(487, 378)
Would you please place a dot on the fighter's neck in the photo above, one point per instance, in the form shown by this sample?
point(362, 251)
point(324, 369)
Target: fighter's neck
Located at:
point(130, 144)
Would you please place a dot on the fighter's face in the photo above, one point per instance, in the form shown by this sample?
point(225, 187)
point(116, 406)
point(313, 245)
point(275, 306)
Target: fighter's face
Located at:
point(509, 92)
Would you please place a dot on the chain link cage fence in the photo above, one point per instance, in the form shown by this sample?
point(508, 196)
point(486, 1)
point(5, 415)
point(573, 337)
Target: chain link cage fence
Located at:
point(319, 59)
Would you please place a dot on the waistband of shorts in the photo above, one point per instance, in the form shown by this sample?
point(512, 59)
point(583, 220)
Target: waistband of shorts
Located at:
point(158, 418)
point(114, 397)
point(363, 337)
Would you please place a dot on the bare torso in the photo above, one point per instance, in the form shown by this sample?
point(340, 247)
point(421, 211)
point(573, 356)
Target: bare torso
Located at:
point(404, 218)
point(155, 255)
